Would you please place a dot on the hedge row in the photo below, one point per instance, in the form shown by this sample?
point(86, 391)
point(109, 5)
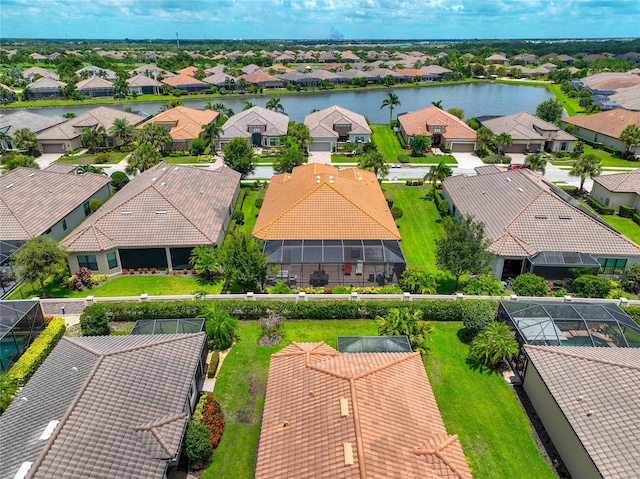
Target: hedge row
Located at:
point(35, 354)
point(636, 219)
point(433, 310)
point(599, 207)
point(627, 211)
point(634, 312)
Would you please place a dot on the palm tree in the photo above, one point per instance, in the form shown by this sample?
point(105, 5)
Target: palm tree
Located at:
point(404, 322)
point(437, 104)
point(248, 104)
point(208, 106)
point(210, 133)
point(374, 161)
point(274, 105)
point(630, 136)
point(503, 139)
point(588, 165)
point(438, 173)
point(145, 156)
point(485, 136)
point(156, 135)
point(82, 169)
point(391, 101)
point(102, 135)
point(122, 129)
point(536, 162)
point(494, 344)
point(90, 138)
point(25, 139)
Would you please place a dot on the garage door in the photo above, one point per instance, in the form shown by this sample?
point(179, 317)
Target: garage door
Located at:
point(462, 147)
point(320, 146)
point(53, 148)
point(514, 148)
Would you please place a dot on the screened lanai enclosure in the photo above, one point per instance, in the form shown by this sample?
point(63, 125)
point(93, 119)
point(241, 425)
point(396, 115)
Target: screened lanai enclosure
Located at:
point(570, 324)
point(20, 323)
point(330, 263)
point(558, 264)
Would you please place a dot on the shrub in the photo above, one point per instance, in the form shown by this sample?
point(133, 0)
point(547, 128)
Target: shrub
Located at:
point(259, 202)
point(271, 324)
point(414, 182)
point(529, 284)
point(341, 290)
point(636, 218)
point(417, 281)
point(396, 212)
point(406, 322)
point(213, 364)
point(388, 196)
point(497, 159)
point(94, 204)
point(197, 445)
point(8, 389)
point(238, 216)
point(627, 211)
point(403, 159)
point(477, 316)
point(95, 324)
point(81, 280)
point(484, 285)
point(197, 147)
point(443, 207)
point(118, 180)
point(589, 286)
point(279, 288)
point(103, 158)
point(37, 352)
point(600, 208)
point(221, 328)
point(493, 345)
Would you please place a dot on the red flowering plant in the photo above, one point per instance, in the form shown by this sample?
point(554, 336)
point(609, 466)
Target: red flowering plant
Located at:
point(213, 418)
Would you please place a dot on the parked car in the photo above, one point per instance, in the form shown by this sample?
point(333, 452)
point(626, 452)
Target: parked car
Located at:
point(515, 166)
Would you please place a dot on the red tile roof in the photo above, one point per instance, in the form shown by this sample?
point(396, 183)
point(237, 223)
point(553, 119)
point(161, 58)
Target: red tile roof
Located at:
point(390, 428)
point(610, 123)
point(184, 123)
point(415, 123)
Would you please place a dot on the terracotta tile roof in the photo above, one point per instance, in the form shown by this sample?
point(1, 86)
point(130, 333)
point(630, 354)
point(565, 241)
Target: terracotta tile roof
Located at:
point(166, 205)
point(411, 72)
point(610, 123)
point(184, 123)
point(260, 77)
point(143, 80)
point(525, 126)
point(120, 403)
point(627, 182)
point(182, 80)
point(608, 379)
point(393, 427)
point(321, 122)
point(318, 201)
point(32, 201)
point(93, 82)
point(522, 213)
point(415, 123)
point(187, 71)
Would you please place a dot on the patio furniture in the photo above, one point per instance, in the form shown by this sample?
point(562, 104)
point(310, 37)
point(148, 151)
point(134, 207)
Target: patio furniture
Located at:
point(347, 269)
point(319, 278)
point(359, 267)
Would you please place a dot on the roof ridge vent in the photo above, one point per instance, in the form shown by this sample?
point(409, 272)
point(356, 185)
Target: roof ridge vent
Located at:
point(30, 175)
point(508, 179)
point(48, 431)
point(161, 212)
point(9, 186)
point(348, 453)
point(126, 213)
point(520, 190)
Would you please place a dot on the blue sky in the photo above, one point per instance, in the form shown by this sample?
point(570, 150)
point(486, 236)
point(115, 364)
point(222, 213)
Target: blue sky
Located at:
point(319, 19)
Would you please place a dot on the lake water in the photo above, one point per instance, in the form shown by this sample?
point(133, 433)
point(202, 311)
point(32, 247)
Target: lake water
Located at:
point(476, 99)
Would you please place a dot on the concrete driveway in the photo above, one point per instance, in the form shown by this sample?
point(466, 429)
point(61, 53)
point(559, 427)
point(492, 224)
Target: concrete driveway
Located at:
point(46, 159)
point(320, 157)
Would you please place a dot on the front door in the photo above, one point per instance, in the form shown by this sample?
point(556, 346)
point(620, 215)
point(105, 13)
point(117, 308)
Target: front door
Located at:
point(256, 139)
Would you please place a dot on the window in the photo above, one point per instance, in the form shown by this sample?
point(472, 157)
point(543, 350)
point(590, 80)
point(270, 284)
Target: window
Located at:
point(564, 146)
point(64, 225)
point(359, 139)
point(88, 261)
point(612, 265)
point(112, 260)
point(273, 141)
point(87, 210)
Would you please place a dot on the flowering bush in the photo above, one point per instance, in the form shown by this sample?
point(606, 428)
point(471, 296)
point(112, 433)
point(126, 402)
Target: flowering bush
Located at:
point(81, 280)
point(213, 418)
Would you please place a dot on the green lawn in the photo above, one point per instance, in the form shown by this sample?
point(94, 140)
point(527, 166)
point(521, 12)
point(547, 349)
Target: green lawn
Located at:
point(419, 226)
point(186, 160)
point(483, 410)
point(135, 285)
point(478, 406)
point(249, 208)
point(90, 159)
point(608, 160)
point(571, 105)
point(387, 143)
point(626, 226)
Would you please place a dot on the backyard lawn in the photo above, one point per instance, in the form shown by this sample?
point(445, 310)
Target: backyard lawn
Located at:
point(626, 226)
point(249, 208)
point(387, 143)
point(90, 158)
point(608, 160)
point(134, 285)
point(478, 406)
point(571, 105)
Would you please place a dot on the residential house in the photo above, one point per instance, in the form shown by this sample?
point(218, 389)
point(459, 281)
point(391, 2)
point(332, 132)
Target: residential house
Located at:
point(46, 202)
point(260, 127)
point(191, 71)
point(606, 83)
point(327, 227)
point(7, 95)
point(443, 128)
point(327, 57)
point(262, 80)
point(13, 122)
point(530, 134)
point(144, 85)
point(335, 125)
point(566, 59)
point(156, 220)
point(221, 80)
point(604, 127)
point(105, 406)
point(587, 399)
point(526, 58)
point(30, 73)
point(93, 71)
point(349, 57)
point(44, 89)
point(497, 59)
point(617, 189)
point(67, 136)
point(627, 98)
point(184, 124)
point(35, 56)
point(95, 87)
point(152, 71)
point(186, 82)
point(339, 416)
point(436, 72)
point(526, 216)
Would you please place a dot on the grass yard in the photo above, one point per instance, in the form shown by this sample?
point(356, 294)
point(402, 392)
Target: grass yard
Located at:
point(387, 142)
point(90, 158)
point(626, 226)
point(571, 105)
point(187, 159)
point(134, 285)
point(608, 160)
point(249, 208)
point(419, 226)
point(481, 408)
point(476, 405)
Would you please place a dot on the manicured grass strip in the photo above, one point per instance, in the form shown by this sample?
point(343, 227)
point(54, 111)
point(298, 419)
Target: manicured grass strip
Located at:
point(90, 159)
point(481, 408)
point(134, 285)
point(571, 105)
point(250, 210)
point(242, 383)
point(186, 160)
point(387, 142)
point(419, 226)
point(626, 226)
point(608, 159)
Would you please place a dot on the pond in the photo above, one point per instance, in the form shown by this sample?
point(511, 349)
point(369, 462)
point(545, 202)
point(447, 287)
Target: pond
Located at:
point(476, 99)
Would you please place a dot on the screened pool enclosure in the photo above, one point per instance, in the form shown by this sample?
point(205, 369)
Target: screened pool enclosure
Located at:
point(20, 323)
point(334, 262)
point(570, 324)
